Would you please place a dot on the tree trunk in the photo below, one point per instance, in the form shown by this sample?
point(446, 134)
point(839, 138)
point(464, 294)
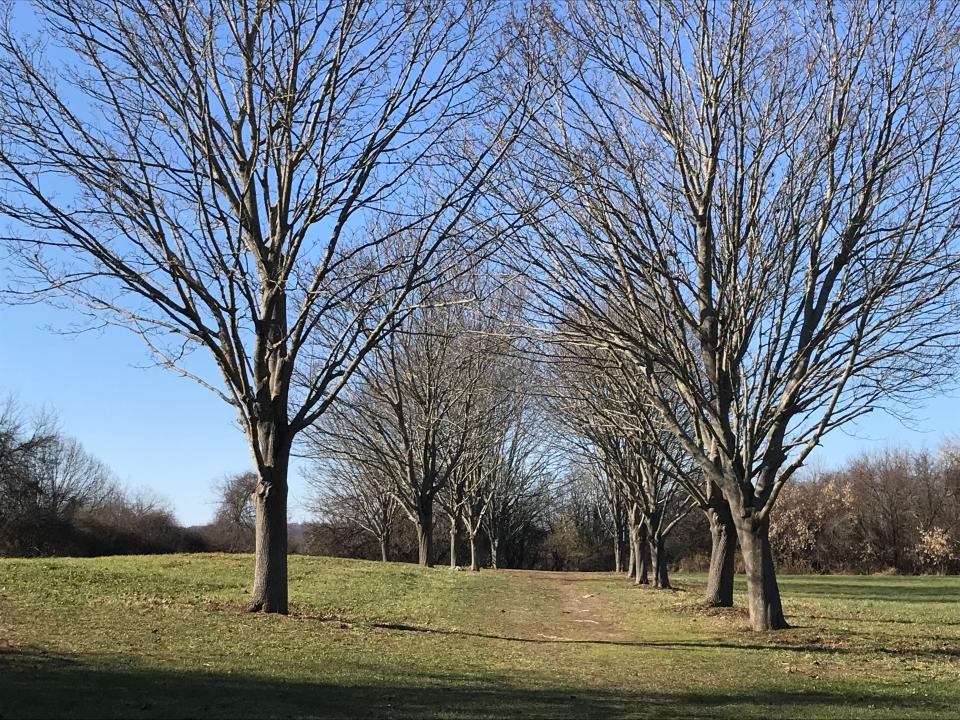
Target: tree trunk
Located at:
point(270, 554)
point(723, 549)
point(618, 543)
point(425, 537)
point(763, 594)
point(384, 548)
point(473, 553)
point(644, 550)
point(630, 562)
point(624, 543)
point(658, 556)
point(638, 541)
point(453, 542)
point(493, 552)
point(271, 444)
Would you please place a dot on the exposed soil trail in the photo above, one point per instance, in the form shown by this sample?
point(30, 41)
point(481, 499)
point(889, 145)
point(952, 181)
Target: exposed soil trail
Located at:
point(578, 610)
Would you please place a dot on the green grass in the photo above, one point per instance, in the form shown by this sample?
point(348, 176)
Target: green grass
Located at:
point(165, 636)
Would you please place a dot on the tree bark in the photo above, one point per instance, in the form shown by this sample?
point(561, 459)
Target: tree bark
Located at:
point(384, 548)
point(723, 549)
point(270, 554)
point(763, 593)
point(271, 443)
point(493, 552)
point(453, 542)
point(473, 553)
point(658, 555)
point(425, 536)
point(630, 561)
point(643, 553)
point(640, 563)
point(618, 539)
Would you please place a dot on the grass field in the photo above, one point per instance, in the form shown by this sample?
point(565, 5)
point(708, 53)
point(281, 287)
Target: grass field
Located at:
point(165, 636)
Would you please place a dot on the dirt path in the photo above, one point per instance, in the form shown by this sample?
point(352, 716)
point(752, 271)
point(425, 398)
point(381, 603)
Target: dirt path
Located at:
point(578, 610)
point(583, 605)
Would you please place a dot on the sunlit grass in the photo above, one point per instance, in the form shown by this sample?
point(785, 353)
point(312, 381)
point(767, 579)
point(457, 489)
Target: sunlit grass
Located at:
point(160, 636)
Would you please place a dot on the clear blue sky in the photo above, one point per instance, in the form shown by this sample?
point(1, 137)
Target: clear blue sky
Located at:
point(165, 433)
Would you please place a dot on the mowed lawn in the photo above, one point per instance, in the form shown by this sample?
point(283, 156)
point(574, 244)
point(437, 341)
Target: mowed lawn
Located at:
point(166, 636)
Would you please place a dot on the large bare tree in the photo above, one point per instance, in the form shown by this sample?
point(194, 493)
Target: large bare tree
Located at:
point(265, 179)
point(757, 202)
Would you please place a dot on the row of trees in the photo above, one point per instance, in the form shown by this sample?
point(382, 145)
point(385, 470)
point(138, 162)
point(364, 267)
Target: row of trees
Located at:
point(737, 221)
point(550, 530)
point(732, 279)
point(889, 511)
point(443, 416)
point(751, 209)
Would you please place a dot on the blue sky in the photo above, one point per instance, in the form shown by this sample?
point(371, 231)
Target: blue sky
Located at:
point(166, 434)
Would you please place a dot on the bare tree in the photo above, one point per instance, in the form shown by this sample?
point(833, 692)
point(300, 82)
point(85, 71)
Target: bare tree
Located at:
point(616, 510)
point(517, 501)
point(268, 181)
point(512, 451)
point(407, 419)
point(452, 498)
point(627, 449)
point(235, 518)
point(21, 439)
point(478, 489)
point(349, 491)
point(68, 477)
point(441, 413)
point(764, 194)
point(629, 409)
point(46, 480)
point(639, 543)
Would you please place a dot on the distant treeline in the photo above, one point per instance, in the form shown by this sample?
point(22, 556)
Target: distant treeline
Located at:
point(57, 499)
point(895, 511)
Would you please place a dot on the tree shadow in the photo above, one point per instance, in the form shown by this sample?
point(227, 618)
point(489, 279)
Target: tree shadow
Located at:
point(805, 647)
point(887, 589)
point(882, 621)
point(35, 683)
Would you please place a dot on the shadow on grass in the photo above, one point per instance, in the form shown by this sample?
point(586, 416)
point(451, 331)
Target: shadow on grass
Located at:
point(802, 647)
point(888, 589)
point(882, 621)
point(34, 683)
